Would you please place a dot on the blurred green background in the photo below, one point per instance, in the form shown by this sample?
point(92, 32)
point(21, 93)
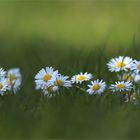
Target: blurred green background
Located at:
point(72, 36)
point(79, 22)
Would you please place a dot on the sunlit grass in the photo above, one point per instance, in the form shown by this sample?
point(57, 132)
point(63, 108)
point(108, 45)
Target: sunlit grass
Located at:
point(72, 22)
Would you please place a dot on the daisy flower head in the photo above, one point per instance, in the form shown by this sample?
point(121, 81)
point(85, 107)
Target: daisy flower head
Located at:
point(80, 78)
point(96, 87)
point(14, 79)
point(135, 66)
point(2, 73)
point(121, 86)
point(3, 86)
point(126, 76)
point(61, 81)
point(50, 90)
point(44, 76)
point(120, 64)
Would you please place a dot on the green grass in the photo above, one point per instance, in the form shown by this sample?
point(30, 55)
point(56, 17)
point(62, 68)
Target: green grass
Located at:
point(73, 114)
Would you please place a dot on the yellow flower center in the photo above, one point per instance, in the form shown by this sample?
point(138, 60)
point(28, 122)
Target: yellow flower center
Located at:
point(138, 66)
point(130, 78)
point(96, 87)
point(121, 86)
point(47, 77)
point(58, 82)
point(1, 85)
point(50, 89)
point(11, 79)
point(81, 77)
point(121, 64)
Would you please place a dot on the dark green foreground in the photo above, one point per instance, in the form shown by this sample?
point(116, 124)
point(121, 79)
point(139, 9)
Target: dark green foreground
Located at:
point(73, 114)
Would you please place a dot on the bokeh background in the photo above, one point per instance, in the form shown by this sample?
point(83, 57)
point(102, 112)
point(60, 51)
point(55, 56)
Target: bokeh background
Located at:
point(72, 36)
point(78, 23)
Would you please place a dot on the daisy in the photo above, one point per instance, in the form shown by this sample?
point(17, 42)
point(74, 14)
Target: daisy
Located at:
point(137, 78)
point(135, 66)
point(126, 76)
point(14, 79)
point(44, 76)
point(79, 78)
point(121, 86)
point(3, 86)
point(50, 90)
point(96, 87)
point(61, 81)
point(120, 63)
point(2, 73)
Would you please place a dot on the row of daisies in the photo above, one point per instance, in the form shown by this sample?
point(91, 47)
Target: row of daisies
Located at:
point(126, 69)
point(50, 81)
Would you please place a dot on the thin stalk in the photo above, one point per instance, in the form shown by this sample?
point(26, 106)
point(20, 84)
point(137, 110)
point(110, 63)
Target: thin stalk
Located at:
point(82, 89)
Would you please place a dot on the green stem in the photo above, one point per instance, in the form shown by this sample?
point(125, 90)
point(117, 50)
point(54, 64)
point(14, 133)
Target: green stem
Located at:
point(82, 89)
point(129, 97)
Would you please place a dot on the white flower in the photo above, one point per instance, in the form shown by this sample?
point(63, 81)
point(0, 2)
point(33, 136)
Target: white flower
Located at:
point(61, 81)
point(81, 78)
point(126, 77)
point(3, 86)
point(50, 90)
point(121, 86)
point(96, 87)
point(120, 63)
point(135, 66)
point(14, 78)
point(44, 76)
point(2, 73)
point(137, 78)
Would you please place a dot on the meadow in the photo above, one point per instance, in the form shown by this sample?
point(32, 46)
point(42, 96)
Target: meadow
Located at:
point(38, 34)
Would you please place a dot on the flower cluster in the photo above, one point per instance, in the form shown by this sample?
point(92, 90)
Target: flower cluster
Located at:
point(128, 74)
point(126, 69)
point(50, 81)
point(10, 81)
point(94, 87)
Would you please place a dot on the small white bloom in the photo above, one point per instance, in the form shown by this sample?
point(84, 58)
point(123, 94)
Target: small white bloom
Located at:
point(137, 78)
point(3, 86)
point(121, 86)
point(61, 81)
point(126, 77)
point(14, 78)
point(96, 87)
point(50, 90)
point(2, 73)
point(135, 66)
point(79, 78)
point(120, 64)
point(44, 76)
